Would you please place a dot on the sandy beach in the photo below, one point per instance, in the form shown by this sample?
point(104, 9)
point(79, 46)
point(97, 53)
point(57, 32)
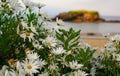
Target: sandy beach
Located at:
point(95, 40)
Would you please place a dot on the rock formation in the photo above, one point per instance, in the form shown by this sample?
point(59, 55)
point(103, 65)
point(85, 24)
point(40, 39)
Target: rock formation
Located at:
point(80, 16)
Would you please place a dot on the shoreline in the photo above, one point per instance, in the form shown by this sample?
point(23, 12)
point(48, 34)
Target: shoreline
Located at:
point(106, 21)
point(96, 40)
point(90, 22)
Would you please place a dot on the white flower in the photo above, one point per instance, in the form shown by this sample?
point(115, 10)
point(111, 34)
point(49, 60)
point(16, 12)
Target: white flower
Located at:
point(55, 28)
point(50, 41)
point(32, 56)
point(18, 66)
point(115, 38)
point(1, 3)
point(3, 71)
point(42, 63)
point(59, 22)
point(6, 73)
point(106, 35)
point(74, 65)
point(28, 35)
point(44, 74)
point(4, 67)
point(93, 71)
point(17, 5)
point(24, 25)
point(45, 17)
point(33, 3)
point(63, 61)
point(30, 66)
point(52, 66)
point(33, 29)
point(116, 57)
point(16, 73)
point(58, 51)
point(109, 47)
point(37, 45)
point(80, 73)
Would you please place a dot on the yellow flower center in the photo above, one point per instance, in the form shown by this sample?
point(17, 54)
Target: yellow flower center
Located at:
point(27, 33)
point(29, 67)
point(27, 50)
point(11, 61)
point(48, 43)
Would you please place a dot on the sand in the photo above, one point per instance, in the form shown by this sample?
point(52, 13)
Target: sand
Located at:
point(95, 40)
point(96, 43)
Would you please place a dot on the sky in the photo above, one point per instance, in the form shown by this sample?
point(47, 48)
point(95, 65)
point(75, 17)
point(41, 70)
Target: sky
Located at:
point(104, 7)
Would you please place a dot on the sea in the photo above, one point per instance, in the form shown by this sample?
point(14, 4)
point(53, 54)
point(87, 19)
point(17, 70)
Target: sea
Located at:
point(100, 28)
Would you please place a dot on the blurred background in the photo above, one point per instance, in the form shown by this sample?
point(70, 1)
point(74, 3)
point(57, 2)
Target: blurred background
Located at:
point(109, 10)
point(104, 7)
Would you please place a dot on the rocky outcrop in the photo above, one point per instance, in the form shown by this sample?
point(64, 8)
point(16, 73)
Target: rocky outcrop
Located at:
point(80, 16)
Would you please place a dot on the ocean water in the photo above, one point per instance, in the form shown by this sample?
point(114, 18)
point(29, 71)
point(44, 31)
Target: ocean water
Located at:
point(111, 17)
point(100, 28)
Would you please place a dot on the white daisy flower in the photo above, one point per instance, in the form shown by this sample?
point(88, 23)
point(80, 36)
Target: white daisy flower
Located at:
point(30, 66)
point(116, 57)
point(3, 70)
point(59, 22)
point(50, 41)
point(18, 66)
point(55, 28)
point(37, 45)
point(42, 63)
point(17, 5)
point(6, 73)
point(106, 35)
point(16, 73)
point(58, 51)
point(52, 66)
point(1, 8)
point(32, 56)
point(33, 3)
point(80, 73)
point(44, 74)
point(32, 28)
point(110, 47)
point(115, 38)
point(28, 35)
point(93, 71)
point(46, 17)
point(24, 25)
point(74, 65)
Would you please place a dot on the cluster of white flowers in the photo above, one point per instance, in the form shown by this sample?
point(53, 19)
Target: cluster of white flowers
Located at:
point(50, 41)
point(111, 52)
point(112, 48)
point(58, 51)
point(74, 65)
point(31, 65)
point(19, 5)
point(51, 51)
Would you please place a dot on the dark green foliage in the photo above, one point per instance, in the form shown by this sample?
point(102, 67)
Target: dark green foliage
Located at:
point(69, 39)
